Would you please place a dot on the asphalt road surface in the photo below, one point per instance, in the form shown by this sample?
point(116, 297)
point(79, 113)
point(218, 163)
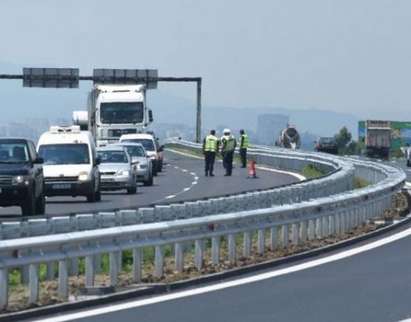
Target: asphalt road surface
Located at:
point(374, 285)
point(182, 179)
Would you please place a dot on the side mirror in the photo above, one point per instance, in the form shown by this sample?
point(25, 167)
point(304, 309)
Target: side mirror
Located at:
point(38, 160)
point(97, 161)
point(161, 148)
point(150, 116)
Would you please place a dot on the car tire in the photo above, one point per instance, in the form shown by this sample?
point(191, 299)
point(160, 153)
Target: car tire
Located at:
point(28, 208)
point(132, 190)
point(150, 181)
point(41, 205)
point(98, 195)
point(160, 166)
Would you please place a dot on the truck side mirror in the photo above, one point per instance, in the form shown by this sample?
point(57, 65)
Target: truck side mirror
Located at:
point(150, 116)
point(38, 160)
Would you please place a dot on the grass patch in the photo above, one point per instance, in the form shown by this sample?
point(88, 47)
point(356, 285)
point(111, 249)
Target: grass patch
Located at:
point(311, 171)
point(360, 183)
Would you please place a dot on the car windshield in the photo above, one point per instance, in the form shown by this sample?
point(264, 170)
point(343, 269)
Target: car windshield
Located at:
point(65, 154)
point(135, 150)
point(121, 113)
point(146, 143)
point(13, 153)
point(112, 156)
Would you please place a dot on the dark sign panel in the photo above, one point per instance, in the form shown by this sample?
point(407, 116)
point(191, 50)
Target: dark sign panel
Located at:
point(149, 77)
point(51, 77)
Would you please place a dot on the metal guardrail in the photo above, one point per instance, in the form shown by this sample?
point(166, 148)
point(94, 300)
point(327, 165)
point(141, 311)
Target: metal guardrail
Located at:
point(287, 224)
point(339, 178)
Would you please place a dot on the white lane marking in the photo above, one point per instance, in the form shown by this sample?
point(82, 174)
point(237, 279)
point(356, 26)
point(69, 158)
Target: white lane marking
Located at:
point(186, 189)
point(184, 170)
point(193, 173)
point(196, 178)
point(238, 282)
point(294, 174)
point(170, 196)
point(194, 182)
point(175, 167)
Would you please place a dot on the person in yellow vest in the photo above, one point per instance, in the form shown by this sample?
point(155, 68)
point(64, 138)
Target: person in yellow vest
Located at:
point(210, 148)
point(228, 144)
point(244, 144)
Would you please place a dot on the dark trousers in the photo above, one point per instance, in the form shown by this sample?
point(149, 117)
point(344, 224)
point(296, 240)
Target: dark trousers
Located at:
point(243, 156)
point(209, 162)
point(228, 162)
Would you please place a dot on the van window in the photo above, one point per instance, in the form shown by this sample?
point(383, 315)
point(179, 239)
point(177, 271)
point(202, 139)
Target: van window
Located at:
point(65, 154)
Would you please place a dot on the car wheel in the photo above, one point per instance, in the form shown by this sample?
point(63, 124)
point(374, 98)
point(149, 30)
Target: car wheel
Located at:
point(132, 190)
point(41, 205)
point(98, 195)
point(28, 208)
point(150, 181)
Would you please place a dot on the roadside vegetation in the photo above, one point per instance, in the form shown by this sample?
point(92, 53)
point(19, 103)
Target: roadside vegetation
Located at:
point(311, 171)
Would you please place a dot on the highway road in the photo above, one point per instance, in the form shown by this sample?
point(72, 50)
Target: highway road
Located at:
point(182, 179)
point(368, 282)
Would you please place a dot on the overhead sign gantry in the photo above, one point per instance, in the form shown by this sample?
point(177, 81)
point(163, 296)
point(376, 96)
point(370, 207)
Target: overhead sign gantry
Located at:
point(70, 78)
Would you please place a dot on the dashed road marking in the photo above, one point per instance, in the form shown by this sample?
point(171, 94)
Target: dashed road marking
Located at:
point(186, 189)
point(170, 196)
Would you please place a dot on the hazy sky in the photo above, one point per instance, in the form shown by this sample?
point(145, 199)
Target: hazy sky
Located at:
point(341, 55)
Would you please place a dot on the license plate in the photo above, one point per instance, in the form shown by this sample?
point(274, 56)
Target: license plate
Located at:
point(61, 186)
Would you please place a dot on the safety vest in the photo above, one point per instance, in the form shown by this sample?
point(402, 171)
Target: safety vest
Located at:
point(229, 143)
point(211, 143)
point(244, 141)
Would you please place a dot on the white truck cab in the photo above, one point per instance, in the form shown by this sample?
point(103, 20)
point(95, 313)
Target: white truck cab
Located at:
point(70, 163)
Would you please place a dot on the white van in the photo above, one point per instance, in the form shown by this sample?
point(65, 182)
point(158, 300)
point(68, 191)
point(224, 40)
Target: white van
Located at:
point(70, 163)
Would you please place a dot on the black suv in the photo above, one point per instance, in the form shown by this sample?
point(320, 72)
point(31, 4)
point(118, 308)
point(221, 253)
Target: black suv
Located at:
point(327, 145)
point(21, 176)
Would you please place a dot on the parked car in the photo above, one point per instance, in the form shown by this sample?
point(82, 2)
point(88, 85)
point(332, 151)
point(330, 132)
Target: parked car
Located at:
point(116, 169)
point(21, 176)
point(327, 145)
point(70, 163)
point(151, 145)
point(142, 162)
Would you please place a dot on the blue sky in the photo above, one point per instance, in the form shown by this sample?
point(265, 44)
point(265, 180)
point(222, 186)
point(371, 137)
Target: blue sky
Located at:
point(347, 56)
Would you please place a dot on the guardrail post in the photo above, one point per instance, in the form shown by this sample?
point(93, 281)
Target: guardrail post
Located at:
point(273, 238)
point(89, 265)
point(247, 244)
point(284, 235)
point(74, 266)
point(4, 288)
point(295, 234)
point(318, 228)
point(137, 261)
point(97, 263)
point(114, 267)
point(179, 257)
point(311, 229)
point(325, 226)
point(303, 231)
point(199, 253)
point(260, 241)
point(215, 250)
point(158, 261)
point(337, 223)
point(231, 249)
point(33, 283)
point(63, 282)
point(331, 225)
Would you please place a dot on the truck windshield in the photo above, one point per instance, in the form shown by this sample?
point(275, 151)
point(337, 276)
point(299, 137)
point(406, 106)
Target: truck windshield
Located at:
point(13, 153)
point(146, 143)
point(65, 154)
point(121, 113)
point(112, 157)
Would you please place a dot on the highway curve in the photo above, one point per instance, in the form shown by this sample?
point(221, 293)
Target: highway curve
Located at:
point(374, 285)
point(182, 179)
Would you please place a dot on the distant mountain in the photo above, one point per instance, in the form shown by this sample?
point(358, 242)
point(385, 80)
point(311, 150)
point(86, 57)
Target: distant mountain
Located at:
point(18, 104)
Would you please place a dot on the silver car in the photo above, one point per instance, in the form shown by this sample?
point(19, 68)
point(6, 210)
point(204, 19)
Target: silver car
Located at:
point(141, 161)
point(116, 169)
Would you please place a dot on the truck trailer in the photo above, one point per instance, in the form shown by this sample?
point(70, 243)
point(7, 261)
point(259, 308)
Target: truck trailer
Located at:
point(378, 139)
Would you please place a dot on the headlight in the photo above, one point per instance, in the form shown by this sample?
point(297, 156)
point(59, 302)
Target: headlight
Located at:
point(123, 173)
point(18, 180)
point(83, 176)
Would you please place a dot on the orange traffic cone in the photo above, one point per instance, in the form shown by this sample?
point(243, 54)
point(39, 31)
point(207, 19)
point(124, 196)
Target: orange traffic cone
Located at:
point(252, 170)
